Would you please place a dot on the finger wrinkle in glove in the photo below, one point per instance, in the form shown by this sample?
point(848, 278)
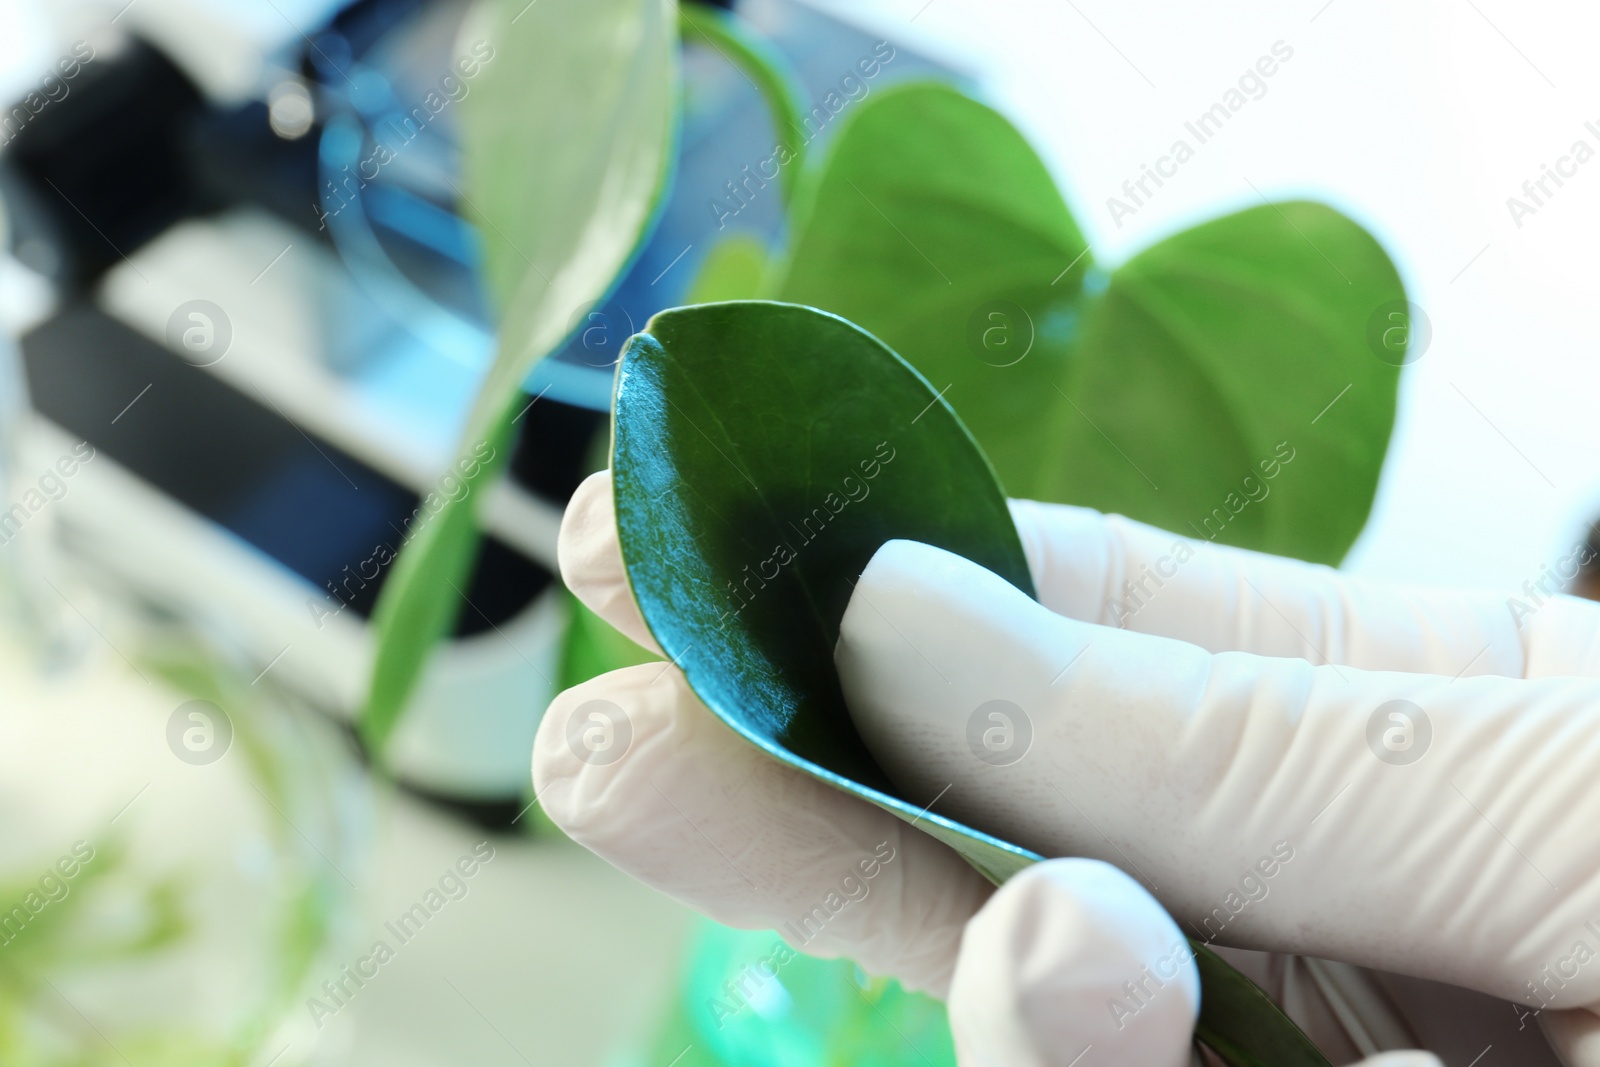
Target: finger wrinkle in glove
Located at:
point(1184, 767)
point(1117, 572)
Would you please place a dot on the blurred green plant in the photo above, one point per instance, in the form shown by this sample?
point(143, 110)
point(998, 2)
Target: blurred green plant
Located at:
point(592, 646)
point(117, 919)
point(291, 772)
point(560, 224)
point(765, 66)
point(53, 941)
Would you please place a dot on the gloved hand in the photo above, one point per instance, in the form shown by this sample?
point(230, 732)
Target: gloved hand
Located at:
point(1266, 802)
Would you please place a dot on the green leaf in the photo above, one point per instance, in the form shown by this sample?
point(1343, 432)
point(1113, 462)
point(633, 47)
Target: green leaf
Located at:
point(732, 271)
point(743, 431)
point(1204, 377)
point(565, 148)
point(1155, 392)
point(564, 138)
point(592, 647)
point(1241, 1024)
point(422, 595)
point(762, 453)
point(931, 213)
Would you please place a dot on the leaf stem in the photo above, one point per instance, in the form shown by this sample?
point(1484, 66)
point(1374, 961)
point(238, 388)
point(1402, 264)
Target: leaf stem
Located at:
point(420, 602)
point(765, 67)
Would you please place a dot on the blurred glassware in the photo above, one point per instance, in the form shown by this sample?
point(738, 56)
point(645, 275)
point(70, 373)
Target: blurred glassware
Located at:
point(184, 863)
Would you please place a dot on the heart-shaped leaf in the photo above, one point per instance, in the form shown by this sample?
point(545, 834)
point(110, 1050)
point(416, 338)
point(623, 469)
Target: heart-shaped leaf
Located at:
point(1162, 392)
point(1222, 386)
point(762, 453)
point(930, 223)
point(560, 223)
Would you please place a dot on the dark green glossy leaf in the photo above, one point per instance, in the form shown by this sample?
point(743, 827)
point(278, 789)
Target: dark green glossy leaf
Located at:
point(762, 453)
point(1155, 392)
point(1240, 1023)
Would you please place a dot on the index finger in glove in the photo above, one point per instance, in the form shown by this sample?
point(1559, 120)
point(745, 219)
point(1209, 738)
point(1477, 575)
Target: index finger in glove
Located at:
point(591, 559)
point(1269, 803)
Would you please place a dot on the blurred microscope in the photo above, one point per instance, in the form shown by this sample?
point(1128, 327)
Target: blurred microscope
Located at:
point(269, 364)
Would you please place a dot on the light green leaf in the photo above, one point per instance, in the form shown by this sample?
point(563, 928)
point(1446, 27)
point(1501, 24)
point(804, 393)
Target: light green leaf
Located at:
point(592, 647)
point(566, 144)
point(1202, 383)
point(732, 271)
point(930, 214)
point(563, 142)
point(762, 453)
point(422, 597)
point(1163, 392)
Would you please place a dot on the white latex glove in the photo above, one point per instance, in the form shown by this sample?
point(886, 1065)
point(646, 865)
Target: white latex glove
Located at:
point(1032, 970)
point(1451, 836)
